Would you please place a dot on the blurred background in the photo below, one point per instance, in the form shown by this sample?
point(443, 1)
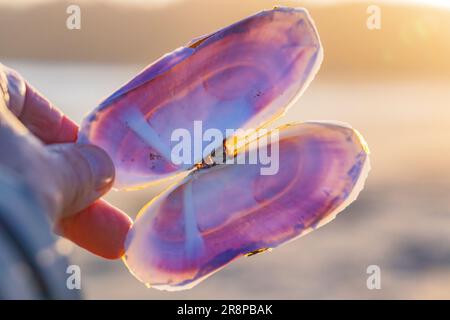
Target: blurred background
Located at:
point(392, 84)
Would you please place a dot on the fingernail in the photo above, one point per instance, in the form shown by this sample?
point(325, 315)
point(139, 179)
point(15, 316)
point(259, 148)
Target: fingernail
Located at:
point(16, 90)
point(101, 165)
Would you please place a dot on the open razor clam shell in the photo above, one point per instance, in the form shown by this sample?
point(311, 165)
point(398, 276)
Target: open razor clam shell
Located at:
point(242, 76)
point(214, 216)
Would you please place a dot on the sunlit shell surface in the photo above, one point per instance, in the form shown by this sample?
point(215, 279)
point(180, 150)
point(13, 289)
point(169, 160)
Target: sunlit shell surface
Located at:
point(242, 76)
point(239, 77)
point(197, 227)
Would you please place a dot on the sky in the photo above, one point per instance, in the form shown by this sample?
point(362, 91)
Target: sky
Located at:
point(133, 2)
point(443, 3)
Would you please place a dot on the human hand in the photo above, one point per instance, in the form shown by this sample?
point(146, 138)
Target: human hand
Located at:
point(37, 143)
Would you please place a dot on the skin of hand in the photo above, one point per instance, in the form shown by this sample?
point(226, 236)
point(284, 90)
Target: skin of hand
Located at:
point(37, 142)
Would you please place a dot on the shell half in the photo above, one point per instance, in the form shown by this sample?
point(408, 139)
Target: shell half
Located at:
point(242, 76)
point(213, 217)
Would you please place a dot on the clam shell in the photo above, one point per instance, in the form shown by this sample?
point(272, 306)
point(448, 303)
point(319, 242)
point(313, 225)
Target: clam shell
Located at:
point(242, 76)
point(214, 216)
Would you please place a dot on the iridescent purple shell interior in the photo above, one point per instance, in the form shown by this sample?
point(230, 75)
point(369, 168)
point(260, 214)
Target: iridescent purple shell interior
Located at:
point(242, 76)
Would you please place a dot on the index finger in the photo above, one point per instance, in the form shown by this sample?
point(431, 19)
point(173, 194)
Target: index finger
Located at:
point(38, 114)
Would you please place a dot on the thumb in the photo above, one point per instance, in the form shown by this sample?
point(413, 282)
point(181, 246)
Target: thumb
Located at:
point(82, 174)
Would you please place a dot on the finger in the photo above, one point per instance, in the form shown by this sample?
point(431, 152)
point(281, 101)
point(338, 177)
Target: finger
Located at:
point(38, 114)
point(100, 228)
point(45, 121)
point(82, 174)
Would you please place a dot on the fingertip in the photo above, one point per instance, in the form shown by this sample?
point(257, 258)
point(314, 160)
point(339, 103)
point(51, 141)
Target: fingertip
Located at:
point(100, 229)
point(16, 88)
point(36, 112)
